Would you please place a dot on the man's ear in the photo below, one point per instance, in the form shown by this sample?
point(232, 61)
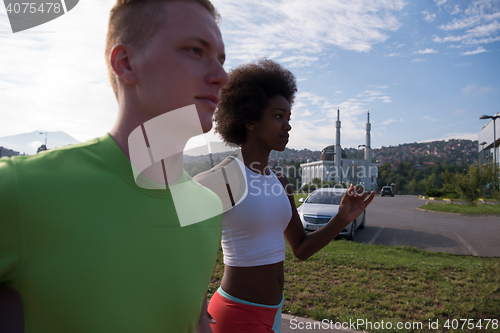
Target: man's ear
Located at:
point(120, 58)
point(250, 126)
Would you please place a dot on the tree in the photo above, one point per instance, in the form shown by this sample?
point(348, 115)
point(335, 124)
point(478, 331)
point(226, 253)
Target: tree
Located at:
point(412, 186)
point(467, 187)
point(41, 148)
point(448, 179)
point(295, 182)
point(429, 182)
point(488, 179)
point(316, 181)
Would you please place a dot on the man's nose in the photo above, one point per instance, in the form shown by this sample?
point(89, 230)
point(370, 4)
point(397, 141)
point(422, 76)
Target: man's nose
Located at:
point(218, 76)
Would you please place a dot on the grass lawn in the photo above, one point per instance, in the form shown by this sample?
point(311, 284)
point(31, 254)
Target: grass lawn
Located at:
point(297, 196)
point(463, 209)
point(354, 281)
point(350, 281)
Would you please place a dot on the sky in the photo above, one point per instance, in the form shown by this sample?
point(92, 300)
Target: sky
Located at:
point(425, 70)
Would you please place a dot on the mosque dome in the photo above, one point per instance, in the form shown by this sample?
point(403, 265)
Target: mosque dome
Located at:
point(328, 153)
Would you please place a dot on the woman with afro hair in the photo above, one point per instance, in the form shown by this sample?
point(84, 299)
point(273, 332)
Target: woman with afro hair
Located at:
point(254, 113)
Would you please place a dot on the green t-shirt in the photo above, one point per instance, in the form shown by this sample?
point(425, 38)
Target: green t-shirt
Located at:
point(89, 251)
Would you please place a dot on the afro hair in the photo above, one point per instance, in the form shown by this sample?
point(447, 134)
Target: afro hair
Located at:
point(248, 92)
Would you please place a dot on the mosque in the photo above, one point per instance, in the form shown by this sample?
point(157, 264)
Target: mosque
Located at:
point(334, 166)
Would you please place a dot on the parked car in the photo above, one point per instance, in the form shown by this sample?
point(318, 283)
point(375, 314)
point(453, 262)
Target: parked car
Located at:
point(321, 206)
point(387, 190)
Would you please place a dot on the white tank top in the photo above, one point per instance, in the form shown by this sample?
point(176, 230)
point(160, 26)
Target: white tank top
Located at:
point(252, 231)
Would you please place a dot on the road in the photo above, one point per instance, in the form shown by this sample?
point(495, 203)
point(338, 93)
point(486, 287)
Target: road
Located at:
point(394, 221)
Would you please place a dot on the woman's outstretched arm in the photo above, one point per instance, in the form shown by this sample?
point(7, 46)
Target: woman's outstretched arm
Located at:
point(305, 245)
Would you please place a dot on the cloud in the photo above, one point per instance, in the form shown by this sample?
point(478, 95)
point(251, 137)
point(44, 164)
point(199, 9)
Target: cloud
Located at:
point(480, 22)
point(395, 55)
point(456, 135)
point(459, 112)
point(440, 2)
point(314, 117)
point(34, 145)
point(418, 60)
point(389, 121)
point(428, 16)
point(477, 51)
point(474, 88)
point(455, 10)
point(374, 96)
point(299, 60)
point(426, 51)
point(430, 119)
point(469, 88)
point(302, 30)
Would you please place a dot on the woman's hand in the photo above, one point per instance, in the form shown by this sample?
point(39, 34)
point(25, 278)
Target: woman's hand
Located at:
point(205, 319)
point(354, 203)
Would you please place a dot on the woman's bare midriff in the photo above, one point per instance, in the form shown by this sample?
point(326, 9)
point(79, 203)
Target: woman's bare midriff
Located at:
point(258, 284)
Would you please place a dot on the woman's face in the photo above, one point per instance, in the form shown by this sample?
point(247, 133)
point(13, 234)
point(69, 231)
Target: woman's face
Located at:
point(271, 129)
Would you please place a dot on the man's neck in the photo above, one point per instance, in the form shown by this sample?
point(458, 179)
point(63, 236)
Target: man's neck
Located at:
point(171, 165)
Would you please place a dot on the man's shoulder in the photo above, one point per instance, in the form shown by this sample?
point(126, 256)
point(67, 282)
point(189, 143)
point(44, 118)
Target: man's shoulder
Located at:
point(71, 149)
point(60, 152)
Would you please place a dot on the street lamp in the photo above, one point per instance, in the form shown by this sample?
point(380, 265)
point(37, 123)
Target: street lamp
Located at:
point(45, 137)
point(495, 117)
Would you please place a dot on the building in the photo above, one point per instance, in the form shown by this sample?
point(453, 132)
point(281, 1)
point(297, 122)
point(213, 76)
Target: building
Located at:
point(485, 143)
point(7, 152)
point(334, 166)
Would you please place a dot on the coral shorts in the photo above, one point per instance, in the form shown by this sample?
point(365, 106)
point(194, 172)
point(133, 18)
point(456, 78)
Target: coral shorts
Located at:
point(234, 315)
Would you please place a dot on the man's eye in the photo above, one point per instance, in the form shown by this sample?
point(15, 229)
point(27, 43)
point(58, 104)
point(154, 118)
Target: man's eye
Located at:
point(197, 50)
point(279, 116)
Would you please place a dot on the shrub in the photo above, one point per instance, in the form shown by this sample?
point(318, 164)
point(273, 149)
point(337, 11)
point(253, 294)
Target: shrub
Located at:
point(467, 188)
point(496, 195)
point(433, 192)
point(451, 195)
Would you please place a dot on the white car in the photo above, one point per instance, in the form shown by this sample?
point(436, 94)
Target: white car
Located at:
point(321, 206)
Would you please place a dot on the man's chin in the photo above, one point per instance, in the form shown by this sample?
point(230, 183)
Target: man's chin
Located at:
point(206, 126)
point(206, 121)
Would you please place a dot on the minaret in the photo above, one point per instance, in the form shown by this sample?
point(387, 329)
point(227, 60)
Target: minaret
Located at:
point(368, 154)
point(338, 152)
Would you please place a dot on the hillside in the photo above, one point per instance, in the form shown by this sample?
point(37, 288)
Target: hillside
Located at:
point(420, 155)
point(449, 152)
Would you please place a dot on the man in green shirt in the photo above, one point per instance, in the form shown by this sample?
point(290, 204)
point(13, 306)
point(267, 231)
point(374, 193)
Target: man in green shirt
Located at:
point(86, 248)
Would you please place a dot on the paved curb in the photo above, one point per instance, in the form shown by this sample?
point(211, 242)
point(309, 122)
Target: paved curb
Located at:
point(448, 213)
